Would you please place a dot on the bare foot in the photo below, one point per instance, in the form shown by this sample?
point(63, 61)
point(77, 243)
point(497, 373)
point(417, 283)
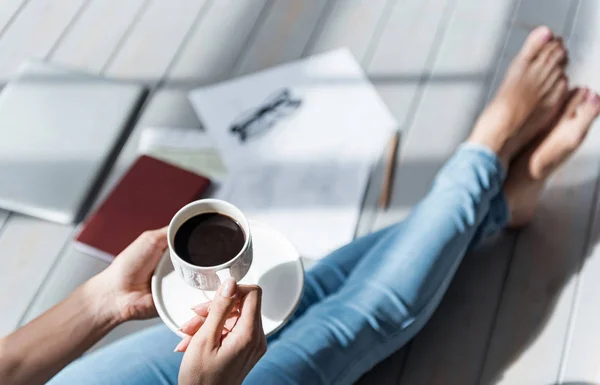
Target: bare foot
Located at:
point(547, 110)
point(535, 75)
point(530, 170)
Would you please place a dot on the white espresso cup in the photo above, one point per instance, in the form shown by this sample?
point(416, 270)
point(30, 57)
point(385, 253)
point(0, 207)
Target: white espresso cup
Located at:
point(210, 277)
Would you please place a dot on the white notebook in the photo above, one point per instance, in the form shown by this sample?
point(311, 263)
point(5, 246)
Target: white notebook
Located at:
point(299, 141)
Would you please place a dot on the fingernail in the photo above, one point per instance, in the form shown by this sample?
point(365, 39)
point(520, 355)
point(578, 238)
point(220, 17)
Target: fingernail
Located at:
point(228, 288)
point(185, 324)
point(179, 347)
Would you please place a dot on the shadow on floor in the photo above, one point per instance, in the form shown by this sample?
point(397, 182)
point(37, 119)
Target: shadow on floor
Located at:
point(577, 383)
point(539, 275)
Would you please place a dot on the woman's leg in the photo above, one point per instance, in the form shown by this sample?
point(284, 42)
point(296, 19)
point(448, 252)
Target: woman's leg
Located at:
point(147, 357)
point(394, 288)
point(144, 358)
point(330, 273)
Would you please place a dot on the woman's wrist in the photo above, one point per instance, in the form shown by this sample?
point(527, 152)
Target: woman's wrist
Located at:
point(102, 301)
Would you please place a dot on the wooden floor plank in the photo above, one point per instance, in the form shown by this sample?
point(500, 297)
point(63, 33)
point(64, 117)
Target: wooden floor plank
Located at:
point(35, 31)
point(77, 267)
point(386, 372)
point(581, 361)
point(96, 34)
point(216, 43)
point(9, 9)
point(447, 351)
point(400, 63)
point(451, 348)
point(283, 34)
point(155, 40)
point(351, 24)
point(29, 249)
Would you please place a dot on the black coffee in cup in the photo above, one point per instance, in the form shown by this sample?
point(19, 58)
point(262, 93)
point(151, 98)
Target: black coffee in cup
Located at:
point(209, 239)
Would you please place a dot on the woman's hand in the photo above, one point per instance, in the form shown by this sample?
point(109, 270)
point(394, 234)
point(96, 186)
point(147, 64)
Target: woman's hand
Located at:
point(40, 349)
point(227, 339)
point(127, 279)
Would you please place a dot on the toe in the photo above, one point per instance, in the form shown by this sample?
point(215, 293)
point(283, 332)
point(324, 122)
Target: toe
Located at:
point(575, 100)
point(552, 80)
point(559, 92)
point(567, 135)
point(536, 40)
point(547, 67)
point(565, 56)
point(554, 100)
point(548, 60)
point(547, 52)
point(588, 110)
point(557, 56)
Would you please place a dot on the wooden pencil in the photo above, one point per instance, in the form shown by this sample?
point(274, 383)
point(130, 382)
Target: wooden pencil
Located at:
point(390, 166)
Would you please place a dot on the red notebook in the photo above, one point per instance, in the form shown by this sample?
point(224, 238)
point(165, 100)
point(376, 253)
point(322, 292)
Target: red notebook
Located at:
point(146, 198)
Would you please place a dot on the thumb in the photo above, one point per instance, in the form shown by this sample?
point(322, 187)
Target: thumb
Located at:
point(220, 308)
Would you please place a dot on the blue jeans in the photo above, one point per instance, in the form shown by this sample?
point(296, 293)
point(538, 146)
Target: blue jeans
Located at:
point(360, 304)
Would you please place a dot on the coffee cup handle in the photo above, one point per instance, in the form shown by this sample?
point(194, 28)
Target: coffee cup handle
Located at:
point(223, 274)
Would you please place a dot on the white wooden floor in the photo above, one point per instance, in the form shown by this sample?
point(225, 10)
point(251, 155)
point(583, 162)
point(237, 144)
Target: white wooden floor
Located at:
point(523, 311)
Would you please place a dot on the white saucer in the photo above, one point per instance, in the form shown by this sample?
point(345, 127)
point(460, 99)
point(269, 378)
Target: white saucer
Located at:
point(276, 268)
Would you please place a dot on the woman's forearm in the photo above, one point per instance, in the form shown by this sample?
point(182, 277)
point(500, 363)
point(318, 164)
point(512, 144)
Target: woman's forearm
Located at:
point(40, 349)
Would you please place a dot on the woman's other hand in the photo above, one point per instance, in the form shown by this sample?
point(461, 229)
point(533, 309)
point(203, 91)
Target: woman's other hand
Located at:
point(227, 339)
point(127, 280)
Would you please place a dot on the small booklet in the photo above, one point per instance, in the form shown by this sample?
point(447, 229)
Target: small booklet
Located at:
point(146, 198)
point(188, 148)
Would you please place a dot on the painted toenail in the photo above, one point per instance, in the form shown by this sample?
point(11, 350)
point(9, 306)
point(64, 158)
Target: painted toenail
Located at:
point(595, 99)
point(589, 95)
point(586, 93)
point(544, 33)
